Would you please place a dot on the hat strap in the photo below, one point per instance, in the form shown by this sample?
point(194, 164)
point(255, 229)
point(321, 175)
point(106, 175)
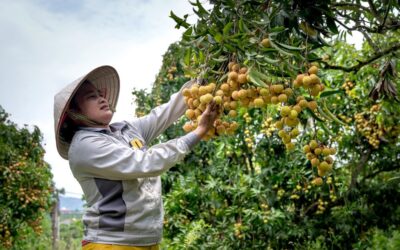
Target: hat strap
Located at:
point(79, 117)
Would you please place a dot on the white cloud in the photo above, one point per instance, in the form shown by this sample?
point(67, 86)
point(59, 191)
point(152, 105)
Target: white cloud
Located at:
point(47, 44)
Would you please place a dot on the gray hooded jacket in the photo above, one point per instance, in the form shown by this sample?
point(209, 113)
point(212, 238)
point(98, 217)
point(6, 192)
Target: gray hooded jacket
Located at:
point(120, 175)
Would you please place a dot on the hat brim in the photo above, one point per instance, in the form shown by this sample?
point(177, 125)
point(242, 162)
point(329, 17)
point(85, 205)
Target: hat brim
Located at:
point(104, 78)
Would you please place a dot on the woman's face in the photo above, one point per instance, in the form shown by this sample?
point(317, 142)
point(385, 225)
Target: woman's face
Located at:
point(93, 104)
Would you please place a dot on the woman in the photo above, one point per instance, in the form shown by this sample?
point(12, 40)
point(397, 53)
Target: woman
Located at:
point(118, 172)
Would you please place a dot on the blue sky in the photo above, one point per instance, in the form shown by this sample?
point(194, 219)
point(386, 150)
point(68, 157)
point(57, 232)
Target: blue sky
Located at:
point(46, 44)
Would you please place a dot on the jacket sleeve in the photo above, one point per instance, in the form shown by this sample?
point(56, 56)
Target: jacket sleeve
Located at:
point(97, 156)
point(161, 117)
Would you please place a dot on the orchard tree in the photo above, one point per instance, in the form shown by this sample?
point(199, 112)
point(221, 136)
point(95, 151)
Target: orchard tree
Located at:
point(25, 182)
point(305, 153)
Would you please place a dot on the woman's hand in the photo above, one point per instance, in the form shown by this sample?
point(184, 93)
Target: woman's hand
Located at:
point(207, 119)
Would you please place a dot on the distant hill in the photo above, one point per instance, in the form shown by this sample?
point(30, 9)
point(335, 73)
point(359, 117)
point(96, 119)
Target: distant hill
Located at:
point(69, 204)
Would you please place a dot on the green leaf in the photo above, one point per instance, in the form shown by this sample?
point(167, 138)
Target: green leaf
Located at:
point(288, 47)
point(329, 93)
point(179, 21)
point(254, 78)
point(218, 37)
point(313, 115)
point(201, 12)
point(279, 49)
point(227, 28)
point(187, 56)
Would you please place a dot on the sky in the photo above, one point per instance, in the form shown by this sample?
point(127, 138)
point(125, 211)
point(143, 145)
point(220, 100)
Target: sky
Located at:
point(47, 44)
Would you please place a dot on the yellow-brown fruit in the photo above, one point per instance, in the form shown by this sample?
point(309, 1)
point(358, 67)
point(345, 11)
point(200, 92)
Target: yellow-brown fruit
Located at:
point(211, 87)
point(234, 126)
point(315, 162)
point(321, 172)
point(243, 70)
point(233, 85)
point(281, 133)
point(197, 112)
point(282, 98)
point(236, 67)
point(313, 144)
point(315, 90)
point(321, 87)
point(242, 78)
point(264, 92)
point(299, 79)
point(258, 102)
point(291, 122)
point(317, 181)
point(285, 111)
point(333, 151)
point(266, 43)
point(306, 81)
point(326, 151)
point(324, 166)
point(186, 92)
point(297, 108)
point(203, 90)
point(245, 102)
point(294, 133)
point(194, 91)
point(312, 105)
point(207, 98)
point(286, 139)
point(313, 70)
point(277, 88)
point(317, 151)
point(220, 130)
point(293, 114)
point(290, 146)
point(279, 124)
point(274, 100)
point(187, 127)
point(314, 79)
point(233, 76)
point(288, 92)
point(296, 84)
point(235, 95)
point(232, 113)
point(190, 114)
point(225, 87)
point(219, 92)
point(242, 94)
point(306, 149)
point(310, 156)
point(196, 103)
point(218, 99)
point(233, 105)
point(303, 103)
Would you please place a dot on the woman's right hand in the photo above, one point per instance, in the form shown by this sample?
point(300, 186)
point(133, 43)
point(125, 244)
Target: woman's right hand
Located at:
point(207, 119)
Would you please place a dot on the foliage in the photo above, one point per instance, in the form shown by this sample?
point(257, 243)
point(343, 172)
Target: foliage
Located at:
point(25, 182)
point(71, 235)
point(246, 190)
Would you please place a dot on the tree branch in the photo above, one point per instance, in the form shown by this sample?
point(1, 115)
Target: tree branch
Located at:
point(382, 170)
point(361, 64)
point(358, 168)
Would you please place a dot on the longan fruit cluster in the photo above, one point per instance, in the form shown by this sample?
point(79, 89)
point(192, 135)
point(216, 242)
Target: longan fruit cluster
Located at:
point(268, 127)
point(320, 156)
point(230, 95)
point(348, 86)
point(365, 123)
point(310, 81)
point(197, 98)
